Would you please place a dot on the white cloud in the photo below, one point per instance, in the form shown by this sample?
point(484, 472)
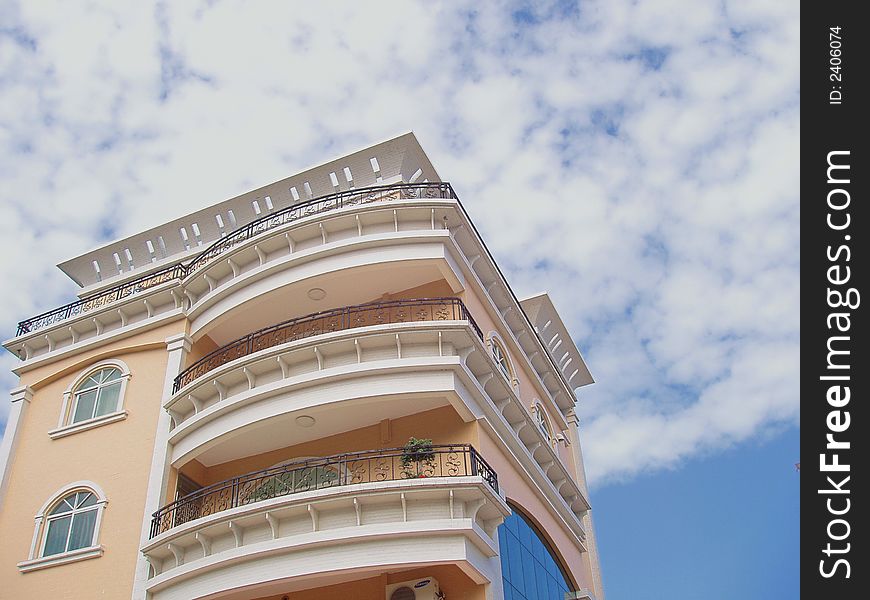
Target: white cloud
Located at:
point(639, 160)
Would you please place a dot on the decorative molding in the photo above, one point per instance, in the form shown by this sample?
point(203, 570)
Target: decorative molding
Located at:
point(55, 560)
point(80, 426)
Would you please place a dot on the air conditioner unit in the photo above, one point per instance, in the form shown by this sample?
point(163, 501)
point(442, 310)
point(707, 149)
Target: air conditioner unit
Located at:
point(417, 589)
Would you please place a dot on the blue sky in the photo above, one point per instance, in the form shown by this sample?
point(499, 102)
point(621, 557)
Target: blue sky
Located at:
point(638, 160)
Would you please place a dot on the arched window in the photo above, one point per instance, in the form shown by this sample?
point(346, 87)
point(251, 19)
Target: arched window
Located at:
point(543, 424)
point(67, 527)
point(95, 398)
point(71, 524)
point(97, 395)
point(501, 358)
point(529, 567)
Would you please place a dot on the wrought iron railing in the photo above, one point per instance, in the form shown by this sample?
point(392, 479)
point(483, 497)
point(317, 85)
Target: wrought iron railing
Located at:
point(338, 319)
point(321, 204)
point(369, 466)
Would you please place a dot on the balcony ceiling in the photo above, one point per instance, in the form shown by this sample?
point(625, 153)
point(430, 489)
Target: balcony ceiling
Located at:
point(331, 419)
point(345, 288)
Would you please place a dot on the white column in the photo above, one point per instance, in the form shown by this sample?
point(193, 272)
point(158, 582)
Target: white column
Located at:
point(177, 346)
point(20, 401)
point(591, 545)
point(574, 438)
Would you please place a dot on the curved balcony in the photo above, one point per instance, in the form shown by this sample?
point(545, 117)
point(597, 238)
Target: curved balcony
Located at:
point(350, 513)
point(280, 218)
point(328, 321)
point(369, 466)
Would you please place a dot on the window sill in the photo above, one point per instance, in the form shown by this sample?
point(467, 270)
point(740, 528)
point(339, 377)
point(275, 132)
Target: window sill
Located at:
point(60, 559)
point(85, 425)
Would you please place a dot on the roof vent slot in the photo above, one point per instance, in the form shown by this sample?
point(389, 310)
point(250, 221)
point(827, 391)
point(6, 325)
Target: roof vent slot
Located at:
point(256, 207)
point(308, 191)
point(97, 271)
point(415, 176)
point(334, 180)
point(129, 256)
point(376, 168)
point(184, 239)
point(150, 245)
point(295, 194)
point(348, 176)
point(268, 201)
point(117, 262)
point(195, 228)
point(162, 245)
point(220, 223)
point(232, 217)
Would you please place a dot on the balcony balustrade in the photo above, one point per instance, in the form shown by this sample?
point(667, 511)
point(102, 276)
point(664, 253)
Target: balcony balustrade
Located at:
point(180, 271)
point(369, 466)
point(339, 319)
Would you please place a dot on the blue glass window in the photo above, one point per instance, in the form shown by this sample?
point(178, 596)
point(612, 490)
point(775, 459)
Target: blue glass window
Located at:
point(529, 569)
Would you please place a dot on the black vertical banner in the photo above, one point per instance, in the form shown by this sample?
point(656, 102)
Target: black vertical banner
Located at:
point(835, 224)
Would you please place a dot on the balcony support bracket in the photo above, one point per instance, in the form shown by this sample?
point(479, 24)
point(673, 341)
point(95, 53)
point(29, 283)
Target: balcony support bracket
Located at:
point(238, 533)
point(314, 518)
point(205, 542)
point(273, 525)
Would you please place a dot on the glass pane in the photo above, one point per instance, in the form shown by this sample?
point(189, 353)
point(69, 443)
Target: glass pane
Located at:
point(541, 576)
point(85, 406)
point(508, 593)
point(55, 539)
point(63, 507)
point(553, 587)
point(111, 374)
point(528, 566)
point(529, 574)
point(108, 401)
point(86, 499)
point(82, 530)
point(516, 563)
point(91, 382)
point(511, 523)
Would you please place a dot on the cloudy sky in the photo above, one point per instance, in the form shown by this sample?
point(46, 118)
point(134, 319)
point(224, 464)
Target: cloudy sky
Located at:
point(638, 160)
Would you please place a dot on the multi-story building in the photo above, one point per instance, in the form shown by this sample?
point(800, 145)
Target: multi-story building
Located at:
point(227, 411)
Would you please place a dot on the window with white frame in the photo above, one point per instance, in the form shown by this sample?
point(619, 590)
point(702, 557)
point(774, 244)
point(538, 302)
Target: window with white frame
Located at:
point(97, 395)
point(501, 359)
point(71, 524)
point(67, 527)
point(543, 424)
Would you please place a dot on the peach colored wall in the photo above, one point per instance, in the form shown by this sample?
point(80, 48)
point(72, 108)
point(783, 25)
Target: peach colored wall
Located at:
point(198, 349)
point(455, 584)
point(441, 425)
point(116, 456)
point(517, 489)
point(433, 289)
point(527, 391)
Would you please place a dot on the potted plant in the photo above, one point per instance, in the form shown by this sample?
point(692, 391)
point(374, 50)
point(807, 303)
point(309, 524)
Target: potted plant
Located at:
point(418, 458)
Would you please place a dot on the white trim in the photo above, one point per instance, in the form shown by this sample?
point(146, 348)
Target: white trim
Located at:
point(98, 341)
point(88, 424)
point(54, 560)
point(75, 485)
point(177, 348)
point(493, 339)
point(34, 560)
point(65, 424)
point(543, 422)
point(21, 397)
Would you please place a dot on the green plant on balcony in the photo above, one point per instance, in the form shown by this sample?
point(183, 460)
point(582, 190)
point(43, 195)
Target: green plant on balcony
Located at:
point(418, 458)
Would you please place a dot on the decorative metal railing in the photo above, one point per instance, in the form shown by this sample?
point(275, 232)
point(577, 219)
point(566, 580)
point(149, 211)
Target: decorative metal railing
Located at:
point(368, 466)
point(321, 204)
point(337, 319)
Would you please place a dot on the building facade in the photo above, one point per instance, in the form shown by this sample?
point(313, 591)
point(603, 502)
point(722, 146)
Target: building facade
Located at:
point(323, 388)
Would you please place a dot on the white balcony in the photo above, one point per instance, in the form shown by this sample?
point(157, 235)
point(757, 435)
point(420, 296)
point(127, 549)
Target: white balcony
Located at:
point(392, 524)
